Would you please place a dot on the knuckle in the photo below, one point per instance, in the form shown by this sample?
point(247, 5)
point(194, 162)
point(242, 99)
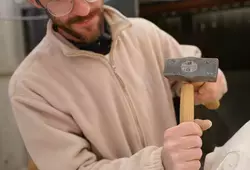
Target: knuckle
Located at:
point(187, 125)
point(192, 127)
point(192, 124)
point(198, 141)
point(167, 134)
point(196, 128)
point(169, 146)
point(171, 132)
point(199, 153)
point(194, 165)
point(184, 124)
point(197, 165)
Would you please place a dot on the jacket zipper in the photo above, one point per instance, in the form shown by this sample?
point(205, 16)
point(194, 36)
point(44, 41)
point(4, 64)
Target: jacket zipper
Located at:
point(141, 138)
point(123, 86)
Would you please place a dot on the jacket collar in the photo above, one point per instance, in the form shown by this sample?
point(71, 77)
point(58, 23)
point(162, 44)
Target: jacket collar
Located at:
point(115, 19)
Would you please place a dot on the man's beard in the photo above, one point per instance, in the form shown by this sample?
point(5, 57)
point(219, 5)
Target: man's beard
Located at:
point(67, 27)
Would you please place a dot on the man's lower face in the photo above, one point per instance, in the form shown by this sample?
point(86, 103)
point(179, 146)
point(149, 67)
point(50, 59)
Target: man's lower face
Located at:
point(89, 30)
point(86, 30)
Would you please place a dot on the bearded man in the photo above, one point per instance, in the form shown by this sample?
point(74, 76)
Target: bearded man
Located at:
point(92, 96)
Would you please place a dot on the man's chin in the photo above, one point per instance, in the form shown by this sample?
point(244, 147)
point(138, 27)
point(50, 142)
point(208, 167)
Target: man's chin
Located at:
point(90, 39)
point(82, 35)
point(88, 35)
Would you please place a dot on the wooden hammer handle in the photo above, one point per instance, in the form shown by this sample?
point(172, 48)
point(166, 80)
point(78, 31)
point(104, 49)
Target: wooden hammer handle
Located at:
point(31, 165)
point(212, 105)
point(187, 103)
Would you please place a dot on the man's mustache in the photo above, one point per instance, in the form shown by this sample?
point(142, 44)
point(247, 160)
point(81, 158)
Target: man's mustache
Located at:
point(78, 19)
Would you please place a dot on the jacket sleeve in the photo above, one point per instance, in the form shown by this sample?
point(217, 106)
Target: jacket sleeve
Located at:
point(54, 141)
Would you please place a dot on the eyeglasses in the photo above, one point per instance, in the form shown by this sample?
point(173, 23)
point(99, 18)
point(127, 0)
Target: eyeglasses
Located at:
point(59, 8)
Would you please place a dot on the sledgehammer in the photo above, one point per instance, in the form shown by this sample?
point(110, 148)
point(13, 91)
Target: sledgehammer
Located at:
point(191, 70)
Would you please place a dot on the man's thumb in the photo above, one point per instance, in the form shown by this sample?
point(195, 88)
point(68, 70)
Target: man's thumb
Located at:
point(204, 124)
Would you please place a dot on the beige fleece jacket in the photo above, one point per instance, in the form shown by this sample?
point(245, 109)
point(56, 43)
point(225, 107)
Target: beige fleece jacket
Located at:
point(78, 110)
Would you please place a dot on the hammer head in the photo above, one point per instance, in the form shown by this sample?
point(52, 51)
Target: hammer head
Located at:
point(192, 69)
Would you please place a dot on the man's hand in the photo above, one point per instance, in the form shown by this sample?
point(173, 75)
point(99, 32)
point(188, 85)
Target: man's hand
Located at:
point(182, 145)
point(211, 91)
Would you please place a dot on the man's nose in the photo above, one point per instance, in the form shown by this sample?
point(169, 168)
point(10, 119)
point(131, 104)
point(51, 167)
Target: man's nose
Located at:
point(81, 8)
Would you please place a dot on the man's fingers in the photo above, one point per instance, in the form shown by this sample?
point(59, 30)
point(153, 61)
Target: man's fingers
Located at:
point(184, 129)
point(192, 165)
point(194, 128)
point(190, 154)
point(189, 142)
point(204, 124)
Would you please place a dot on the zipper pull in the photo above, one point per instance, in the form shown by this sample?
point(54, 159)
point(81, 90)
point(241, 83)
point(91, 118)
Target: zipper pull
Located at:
point(114, 67)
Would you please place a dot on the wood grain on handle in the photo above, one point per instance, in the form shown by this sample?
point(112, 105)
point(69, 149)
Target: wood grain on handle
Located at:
point(187, 103)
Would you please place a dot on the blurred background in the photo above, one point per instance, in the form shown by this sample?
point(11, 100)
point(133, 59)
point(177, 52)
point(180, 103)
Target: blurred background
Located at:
point(220, 28)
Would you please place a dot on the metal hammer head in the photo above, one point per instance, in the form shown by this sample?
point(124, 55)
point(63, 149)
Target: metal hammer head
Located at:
point(192, 69)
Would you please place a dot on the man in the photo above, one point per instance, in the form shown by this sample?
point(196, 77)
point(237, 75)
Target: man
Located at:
point(92, 95)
